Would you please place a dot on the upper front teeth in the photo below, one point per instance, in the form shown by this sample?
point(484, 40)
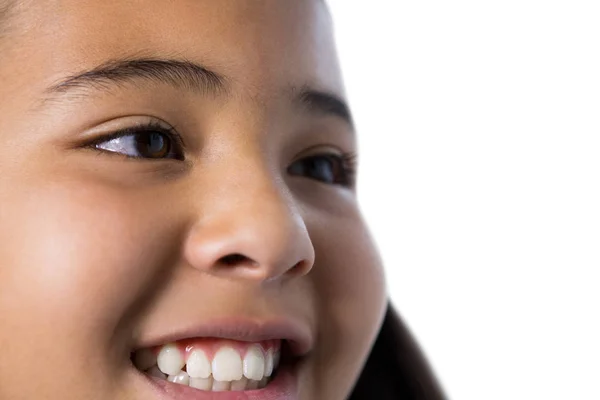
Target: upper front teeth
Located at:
point(254, 364)
point(227, 365)
point(198, 365)
point(193, 366)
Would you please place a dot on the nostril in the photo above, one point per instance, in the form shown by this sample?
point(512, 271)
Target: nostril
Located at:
point(301, 268)
point(235, 259)
point(239, 263)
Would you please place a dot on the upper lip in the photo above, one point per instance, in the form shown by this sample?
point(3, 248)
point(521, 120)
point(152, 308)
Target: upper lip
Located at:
point(297, 335)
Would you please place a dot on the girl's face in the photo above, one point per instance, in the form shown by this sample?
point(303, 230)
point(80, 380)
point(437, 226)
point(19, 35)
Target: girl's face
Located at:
point(224, 208)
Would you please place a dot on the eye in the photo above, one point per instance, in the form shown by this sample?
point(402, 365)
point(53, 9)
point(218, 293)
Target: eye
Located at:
point(149, 141)
point(332, 169)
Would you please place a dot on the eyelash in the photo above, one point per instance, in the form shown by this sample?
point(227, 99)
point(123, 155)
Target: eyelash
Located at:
point(346, 162)
point(170, 133)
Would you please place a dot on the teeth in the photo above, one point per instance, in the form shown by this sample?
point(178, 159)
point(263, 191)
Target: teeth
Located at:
point(227, 371)
point(198, 365)
point(181, 378)
point(170, 361)
point(239, 385)
point(276, 358)
point(263, 382)
point(155, 372)
point(201, 383)
point(252, 385)
point(254, 363)
point(221, 386)
point(144, 359)
point(227, 365)
point(269, 363)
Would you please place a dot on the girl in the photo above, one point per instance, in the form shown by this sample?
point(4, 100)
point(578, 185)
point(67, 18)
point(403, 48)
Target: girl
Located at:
point(178, 212)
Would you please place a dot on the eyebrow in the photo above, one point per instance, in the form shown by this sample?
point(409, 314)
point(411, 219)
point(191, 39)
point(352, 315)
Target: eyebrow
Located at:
point(182, 74)
point(325, 103)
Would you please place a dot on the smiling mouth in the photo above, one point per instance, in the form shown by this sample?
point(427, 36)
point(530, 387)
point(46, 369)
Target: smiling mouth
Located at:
point(245, 359)
point(213, 364)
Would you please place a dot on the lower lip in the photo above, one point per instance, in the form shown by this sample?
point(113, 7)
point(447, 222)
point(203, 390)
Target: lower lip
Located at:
point(283, 387)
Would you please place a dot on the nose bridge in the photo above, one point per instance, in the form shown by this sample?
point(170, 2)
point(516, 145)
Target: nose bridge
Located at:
point(248, 226)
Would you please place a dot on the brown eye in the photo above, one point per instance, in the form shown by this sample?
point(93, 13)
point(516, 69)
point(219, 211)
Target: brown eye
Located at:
point(146, 142)
point(153, 145)
point(332, 169)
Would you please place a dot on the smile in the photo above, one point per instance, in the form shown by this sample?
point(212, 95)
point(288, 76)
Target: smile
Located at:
point(242, 360)
point(212, 364)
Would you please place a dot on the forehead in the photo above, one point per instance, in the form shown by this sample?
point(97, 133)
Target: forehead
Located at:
point(261, 44)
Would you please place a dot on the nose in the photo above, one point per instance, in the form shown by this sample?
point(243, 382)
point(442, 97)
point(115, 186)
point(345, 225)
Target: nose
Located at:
point(249, 230)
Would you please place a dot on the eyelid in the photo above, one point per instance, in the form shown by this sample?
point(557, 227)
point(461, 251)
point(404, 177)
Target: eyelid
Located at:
point(348, 160)
point(178, 151)
point(138, 128)
point(321, 150)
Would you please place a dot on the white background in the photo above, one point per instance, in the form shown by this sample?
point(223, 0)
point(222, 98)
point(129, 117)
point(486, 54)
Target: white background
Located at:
point(479, 127)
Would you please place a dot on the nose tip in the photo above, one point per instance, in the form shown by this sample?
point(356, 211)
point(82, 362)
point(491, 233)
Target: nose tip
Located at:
point(252, 246)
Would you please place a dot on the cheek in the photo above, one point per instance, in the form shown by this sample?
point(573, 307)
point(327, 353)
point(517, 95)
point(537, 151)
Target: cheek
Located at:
point(351, 288)
point(72, 256)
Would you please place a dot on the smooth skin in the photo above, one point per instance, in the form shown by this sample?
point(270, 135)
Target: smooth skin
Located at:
point(100, 252)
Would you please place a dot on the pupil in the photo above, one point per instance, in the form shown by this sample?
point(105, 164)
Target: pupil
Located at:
point(322, 169)
point(154, 145)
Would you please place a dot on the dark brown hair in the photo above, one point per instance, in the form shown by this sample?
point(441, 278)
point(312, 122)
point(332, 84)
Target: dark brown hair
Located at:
point(396, 368)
